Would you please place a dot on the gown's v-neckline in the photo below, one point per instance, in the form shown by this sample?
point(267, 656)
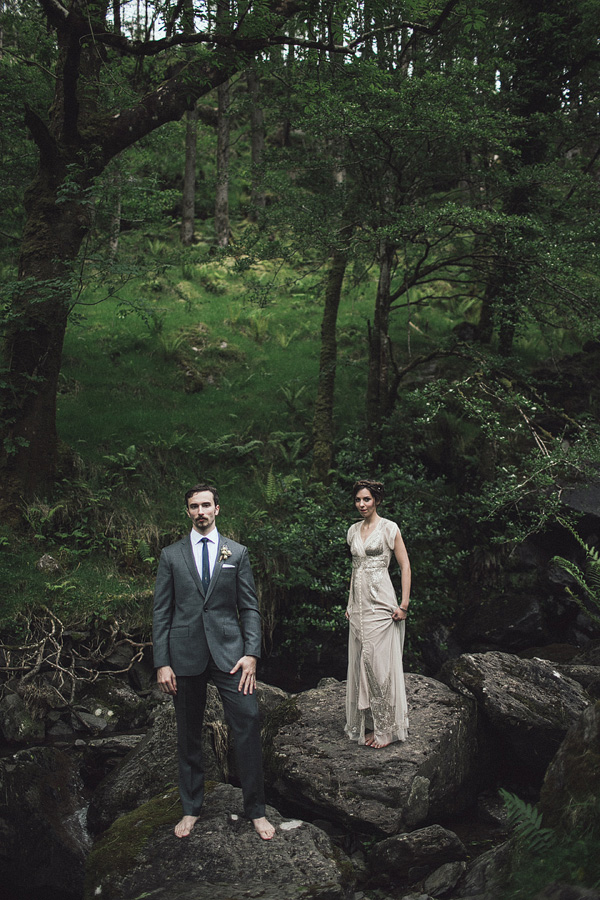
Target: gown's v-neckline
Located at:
point(366, 540)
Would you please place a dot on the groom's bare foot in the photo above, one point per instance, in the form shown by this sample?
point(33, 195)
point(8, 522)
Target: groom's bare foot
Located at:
point(264, 828)
point(184, 827)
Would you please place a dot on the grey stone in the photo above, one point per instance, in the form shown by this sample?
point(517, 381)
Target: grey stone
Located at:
point(115, 701)
point(396, 858)
point(115, 744)
point(583, 498)
point(48, 564)
point(587, 676)
point(491, 810)
point(222, 858)
point(528, 704)
point(414, 896)
point(572, 780)
point(310, 763)
point(588, 657)
point(88, 723)
point(42, 838)
point(60, 730)
point(444, 879)
point(17, 724)
point(566, 892)
point(486, 875)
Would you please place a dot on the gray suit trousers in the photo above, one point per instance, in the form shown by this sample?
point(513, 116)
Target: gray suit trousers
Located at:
point(241, 714)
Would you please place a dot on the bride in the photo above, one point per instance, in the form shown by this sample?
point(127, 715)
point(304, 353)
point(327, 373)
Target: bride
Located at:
point(375, 694)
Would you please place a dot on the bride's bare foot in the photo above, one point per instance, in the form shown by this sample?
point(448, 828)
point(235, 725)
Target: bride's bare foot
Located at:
point(264, 828)
point(371, 742)
point(184, 827)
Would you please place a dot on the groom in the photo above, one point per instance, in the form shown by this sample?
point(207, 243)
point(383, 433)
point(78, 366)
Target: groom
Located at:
point(207, 628)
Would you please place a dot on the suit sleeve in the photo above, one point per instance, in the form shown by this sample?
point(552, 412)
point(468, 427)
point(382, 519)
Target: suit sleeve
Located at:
point(247, 603)
point(163, 612)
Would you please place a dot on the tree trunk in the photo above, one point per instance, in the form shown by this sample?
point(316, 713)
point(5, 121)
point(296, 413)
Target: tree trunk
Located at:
point(34, 336)
point(257, 133)
point(222, 190)
point(379, 353)
point(188, 199)
point(323, 431)
point(115, 219)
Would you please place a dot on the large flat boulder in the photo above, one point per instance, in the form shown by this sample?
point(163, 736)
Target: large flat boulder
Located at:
point(313, 767)
point(527, 704)
point(222, 858)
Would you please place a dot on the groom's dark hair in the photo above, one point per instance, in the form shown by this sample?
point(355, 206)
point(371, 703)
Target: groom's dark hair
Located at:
point(198, 488)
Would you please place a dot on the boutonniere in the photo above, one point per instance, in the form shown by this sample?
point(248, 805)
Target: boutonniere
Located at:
point(224, 554)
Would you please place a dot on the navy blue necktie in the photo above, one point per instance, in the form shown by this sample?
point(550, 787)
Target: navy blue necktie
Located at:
point(205, 565)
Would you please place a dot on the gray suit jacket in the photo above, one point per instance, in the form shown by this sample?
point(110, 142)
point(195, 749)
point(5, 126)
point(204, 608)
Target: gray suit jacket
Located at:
point(189, 627)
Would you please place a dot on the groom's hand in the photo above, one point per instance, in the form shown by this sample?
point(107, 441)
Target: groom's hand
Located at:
point(166, 679)
point(248, 678)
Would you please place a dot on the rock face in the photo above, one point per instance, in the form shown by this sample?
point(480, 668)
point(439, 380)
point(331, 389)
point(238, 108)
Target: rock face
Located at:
point(406, 858)
point(312, 767)
point(566, 892)
point(43, 843)
point(570, 795)
point(527, 704)
point(488, 873)
point(152, 765)
point(17, 725)
point(509, 622)
point(222, 858)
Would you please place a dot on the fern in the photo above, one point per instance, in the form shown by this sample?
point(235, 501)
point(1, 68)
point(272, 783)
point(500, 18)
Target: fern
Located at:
point(271, 488)
point(527, 823)
point(587, 579)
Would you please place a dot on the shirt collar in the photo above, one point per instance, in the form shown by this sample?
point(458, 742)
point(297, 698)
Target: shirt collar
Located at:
point(213, 536)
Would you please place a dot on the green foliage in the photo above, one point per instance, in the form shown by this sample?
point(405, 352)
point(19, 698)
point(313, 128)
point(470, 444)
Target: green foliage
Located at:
point(586, 578)
point(526, 821)
point(186, 364)
point(541, 855)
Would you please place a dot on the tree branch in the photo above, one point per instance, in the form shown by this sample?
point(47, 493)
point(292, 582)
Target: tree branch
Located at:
point(40, 134)
point(56, 13)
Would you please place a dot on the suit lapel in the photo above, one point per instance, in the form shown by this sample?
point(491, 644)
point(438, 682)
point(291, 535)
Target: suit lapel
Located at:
point(188, 555)
point(216, 570)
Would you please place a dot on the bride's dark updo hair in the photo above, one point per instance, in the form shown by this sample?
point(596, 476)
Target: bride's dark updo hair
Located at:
point(375, 488)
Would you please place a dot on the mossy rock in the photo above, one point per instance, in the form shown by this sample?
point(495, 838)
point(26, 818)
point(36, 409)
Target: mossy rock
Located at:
point(116, 851)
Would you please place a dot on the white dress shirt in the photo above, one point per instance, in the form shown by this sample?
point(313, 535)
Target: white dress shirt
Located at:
point(213, 546)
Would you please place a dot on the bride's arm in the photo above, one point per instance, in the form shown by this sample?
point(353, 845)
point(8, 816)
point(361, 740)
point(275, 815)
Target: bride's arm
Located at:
point(403, 561)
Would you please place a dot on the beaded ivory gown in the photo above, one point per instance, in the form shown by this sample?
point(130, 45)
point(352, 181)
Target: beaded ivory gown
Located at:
point(375, 693)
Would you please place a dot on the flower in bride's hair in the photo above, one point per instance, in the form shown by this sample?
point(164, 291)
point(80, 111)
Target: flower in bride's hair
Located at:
point(225, 553)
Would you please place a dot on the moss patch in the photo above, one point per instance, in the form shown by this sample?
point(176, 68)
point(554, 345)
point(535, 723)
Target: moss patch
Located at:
point(117, 849)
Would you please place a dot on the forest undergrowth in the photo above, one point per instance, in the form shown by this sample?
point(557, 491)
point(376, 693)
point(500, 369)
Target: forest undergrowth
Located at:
point(186, 378)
